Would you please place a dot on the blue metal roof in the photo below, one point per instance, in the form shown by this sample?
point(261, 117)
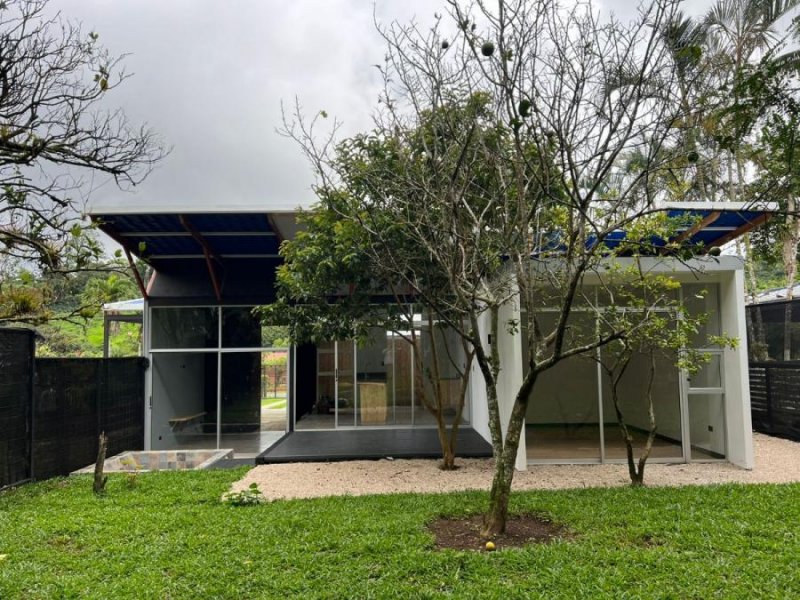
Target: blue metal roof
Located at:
point(705, 228)
point(159, 237)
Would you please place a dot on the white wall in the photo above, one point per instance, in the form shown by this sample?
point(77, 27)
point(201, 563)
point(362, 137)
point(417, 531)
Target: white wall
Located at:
point(479, 404)
point(508, 382)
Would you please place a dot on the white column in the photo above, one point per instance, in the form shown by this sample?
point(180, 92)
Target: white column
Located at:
point(510, 379)
point(479, 409)
point(738, 421)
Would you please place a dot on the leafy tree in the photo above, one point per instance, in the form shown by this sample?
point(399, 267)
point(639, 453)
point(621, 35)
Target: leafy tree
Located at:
point(666, 331)
point(71, 323)
point(498, 160)
point(338, 283)
point(55, 136)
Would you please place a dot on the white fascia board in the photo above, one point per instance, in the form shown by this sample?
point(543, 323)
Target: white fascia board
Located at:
point(142, 206)
point(666, 264)
point(724, 206)
point(694, 267)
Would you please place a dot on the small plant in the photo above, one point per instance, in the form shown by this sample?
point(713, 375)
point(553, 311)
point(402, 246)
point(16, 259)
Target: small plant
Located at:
point(247, 497)
point(133, 469)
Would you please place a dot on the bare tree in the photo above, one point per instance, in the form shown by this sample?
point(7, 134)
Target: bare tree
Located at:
point(500, 153)
point(56, 136)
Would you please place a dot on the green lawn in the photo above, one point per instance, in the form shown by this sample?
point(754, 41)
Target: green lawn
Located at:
point(279, 402)
point(170, 537)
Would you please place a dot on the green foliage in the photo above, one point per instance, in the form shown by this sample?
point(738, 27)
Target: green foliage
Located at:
point(250, 496)
point(274, 336)
point(171, 537)
point(74, 320)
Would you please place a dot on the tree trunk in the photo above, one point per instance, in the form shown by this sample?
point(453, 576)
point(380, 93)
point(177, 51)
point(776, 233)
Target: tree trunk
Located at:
point(495, 520)
point(99, 484)
point(651, 435)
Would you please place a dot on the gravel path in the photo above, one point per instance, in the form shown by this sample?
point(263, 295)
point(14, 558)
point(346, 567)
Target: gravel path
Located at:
point(777, 461)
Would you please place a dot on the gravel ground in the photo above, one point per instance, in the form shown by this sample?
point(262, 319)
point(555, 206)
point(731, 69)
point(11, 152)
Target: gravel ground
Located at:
point(777, 461)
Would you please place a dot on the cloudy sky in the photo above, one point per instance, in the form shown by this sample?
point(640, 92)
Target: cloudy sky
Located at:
point(209, 77)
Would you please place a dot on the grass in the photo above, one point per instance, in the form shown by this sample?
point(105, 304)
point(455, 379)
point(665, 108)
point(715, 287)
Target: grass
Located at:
point(273, 402)
point(170, 537)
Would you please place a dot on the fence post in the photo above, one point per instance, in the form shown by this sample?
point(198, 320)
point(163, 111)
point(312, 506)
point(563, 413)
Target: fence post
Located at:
point(32, 404)
point(768, 392)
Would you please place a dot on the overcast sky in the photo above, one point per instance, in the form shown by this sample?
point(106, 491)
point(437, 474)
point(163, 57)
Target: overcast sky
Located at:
point(210, 75)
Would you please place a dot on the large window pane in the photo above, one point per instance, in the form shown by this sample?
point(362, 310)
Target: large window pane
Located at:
point(707, 426)
point(375, 396)
point(241, 328)
point(562, 421)
point(633, 402)
point(318, 411)
point(184, 400)
point(184, 327)
point(703, 300)
point(252, 417)
point(400, 379)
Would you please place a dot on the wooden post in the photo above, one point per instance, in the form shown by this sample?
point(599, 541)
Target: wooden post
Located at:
point(100, 479)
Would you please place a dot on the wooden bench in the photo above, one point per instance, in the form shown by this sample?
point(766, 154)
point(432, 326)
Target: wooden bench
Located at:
point(179, 423)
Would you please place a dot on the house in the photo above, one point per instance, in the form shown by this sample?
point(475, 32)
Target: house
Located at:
point(213, 263)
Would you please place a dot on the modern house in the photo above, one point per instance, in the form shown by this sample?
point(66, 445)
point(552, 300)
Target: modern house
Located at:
point(212, 264)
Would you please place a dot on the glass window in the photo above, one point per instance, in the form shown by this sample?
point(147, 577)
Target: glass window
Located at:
point(703, 299)
point(184, 327)
point(184, 400)
point(632, 392)
point(241, 328)
point(709, 375)
point(707, 426)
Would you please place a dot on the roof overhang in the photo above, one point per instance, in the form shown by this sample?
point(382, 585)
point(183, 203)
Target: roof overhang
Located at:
point(183, 237)
point(709, 224)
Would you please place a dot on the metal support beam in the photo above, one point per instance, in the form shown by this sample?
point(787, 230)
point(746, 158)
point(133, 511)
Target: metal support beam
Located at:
point(208, 253)
point(136, 274)
point(705, 222)
point(741, 230)
point(275, 229)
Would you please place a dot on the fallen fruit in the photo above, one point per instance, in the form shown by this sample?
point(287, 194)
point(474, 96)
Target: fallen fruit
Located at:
point(490, 546)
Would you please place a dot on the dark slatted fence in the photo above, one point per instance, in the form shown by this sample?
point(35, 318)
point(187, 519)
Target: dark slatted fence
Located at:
point(52, 410)
point(77, 398)
point(775, 398)
point(16, 387)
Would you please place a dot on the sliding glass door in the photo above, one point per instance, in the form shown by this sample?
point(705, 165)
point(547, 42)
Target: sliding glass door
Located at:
point(371, 384)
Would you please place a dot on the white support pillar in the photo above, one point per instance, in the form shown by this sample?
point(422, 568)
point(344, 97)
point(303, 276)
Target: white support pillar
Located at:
point(510, 378)
point(738, 420)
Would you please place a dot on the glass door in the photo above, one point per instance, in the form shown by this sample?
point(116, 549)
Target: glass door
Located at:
point(374, 381)
point(345, 404)
point(706, 410)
